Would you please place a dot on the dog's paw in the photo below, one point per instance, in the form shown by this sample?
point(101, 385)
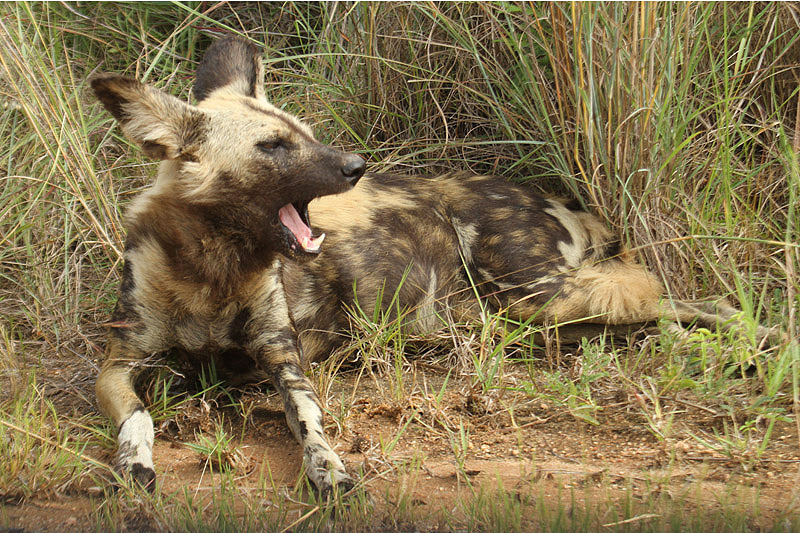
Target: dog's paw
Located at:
point(768, 336)
point(135, 475)
point(327, 472)
point(135, 452)
point(144, 476)
point(334, 483)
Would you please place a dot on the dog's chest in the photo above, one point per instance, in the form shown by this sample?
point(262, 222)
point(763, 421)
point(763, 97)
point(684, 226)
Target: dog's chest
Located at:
point(220, 331)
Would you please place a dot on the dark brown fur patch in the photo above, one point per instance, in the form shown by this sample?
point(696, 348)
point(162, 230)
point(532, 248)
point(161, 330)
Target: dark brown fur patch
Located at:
point(220, 244)
point(226, 61)
point(574, 205)
point(102, 86)
point(155, 150)
point(237, 331)
point(612, 249)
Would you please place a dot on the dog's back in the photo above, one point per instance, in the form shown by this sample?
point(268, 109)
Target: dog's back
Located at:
point(430, 246)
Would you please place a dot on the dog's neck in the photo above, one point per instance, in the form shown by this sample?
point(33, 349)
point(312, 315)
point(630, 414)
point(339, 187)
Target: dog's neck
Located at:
point(215, 246)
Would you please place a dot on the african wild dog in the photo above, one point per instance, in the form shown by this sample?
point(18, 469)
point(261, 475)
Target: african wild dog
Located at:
point(221, 260)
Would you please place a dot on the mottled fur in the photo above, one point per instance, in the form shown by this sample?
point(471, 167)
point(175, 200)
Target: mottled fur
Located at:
point(210, 269)
point(202, 256)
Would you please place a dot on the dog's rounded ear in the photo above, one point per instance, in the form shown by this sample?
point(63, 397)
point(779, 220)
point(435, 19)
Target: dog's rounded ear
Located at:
point(165, 127)
point(232, 63)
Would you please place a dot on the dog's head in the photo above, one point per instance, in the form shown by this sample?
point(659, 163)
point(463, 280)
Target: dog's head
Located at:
point(234, 150)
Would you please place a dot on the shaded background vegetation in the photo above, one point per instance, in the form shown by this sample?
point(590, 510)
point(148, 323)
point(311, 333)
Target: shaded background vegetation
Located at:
point(674, 122)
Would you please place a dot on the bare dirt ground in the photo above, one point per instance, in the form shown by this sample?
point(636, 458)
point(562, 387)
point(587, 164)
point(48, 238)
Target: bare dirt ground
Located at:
point(431, 448)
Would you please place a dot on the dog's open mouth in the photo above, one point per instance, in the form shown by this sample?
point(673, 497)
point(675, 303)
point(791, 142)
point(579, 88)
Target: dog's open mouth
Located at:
point(294, 218)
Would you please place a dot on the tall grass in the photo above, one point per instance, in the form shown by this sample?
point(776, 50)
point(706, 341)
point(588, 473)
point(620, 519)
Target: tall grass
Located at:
point(673, 122)
point(677, 123)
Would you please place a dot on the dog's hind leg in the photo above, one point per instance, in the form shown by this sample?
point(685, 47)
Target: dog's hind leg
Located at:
point(716, 314)
point(117, 398)
point(619, 296)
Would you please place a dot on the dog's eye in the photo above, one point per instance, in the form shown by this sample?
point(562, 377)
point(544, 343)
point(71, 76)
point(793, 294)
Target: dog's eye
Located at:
point(270, 146)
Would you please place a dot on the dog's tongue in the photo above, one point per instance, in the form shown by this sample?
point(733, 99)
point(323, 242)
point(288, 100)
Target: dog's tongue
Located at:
point(290, 218)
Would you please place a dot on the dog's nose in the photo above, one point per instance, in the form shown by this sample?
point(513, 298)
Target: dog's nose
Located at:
point(353, 168)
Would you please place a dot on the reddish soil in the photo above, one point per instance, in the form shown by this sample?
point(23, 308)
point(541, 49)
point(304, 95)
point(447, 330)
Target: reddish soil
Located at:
point(543, 452)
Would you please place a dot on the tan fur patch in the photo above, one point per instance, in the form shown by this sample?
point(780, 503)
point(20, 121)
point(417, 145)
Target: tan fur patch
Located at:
point(573, 252)
point(467, 235)
point(609, 292)
point(355, 207)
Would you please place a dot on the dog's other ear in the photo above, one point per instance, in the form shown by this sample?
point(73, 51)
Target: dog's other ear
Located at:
point(232, 63)
point(165, 127)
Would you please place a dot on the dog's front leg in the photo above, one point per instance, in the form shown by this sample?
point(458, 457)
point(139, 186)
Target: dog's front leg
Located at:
point(117, 398)
point(274, 344)
point(304, 417)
